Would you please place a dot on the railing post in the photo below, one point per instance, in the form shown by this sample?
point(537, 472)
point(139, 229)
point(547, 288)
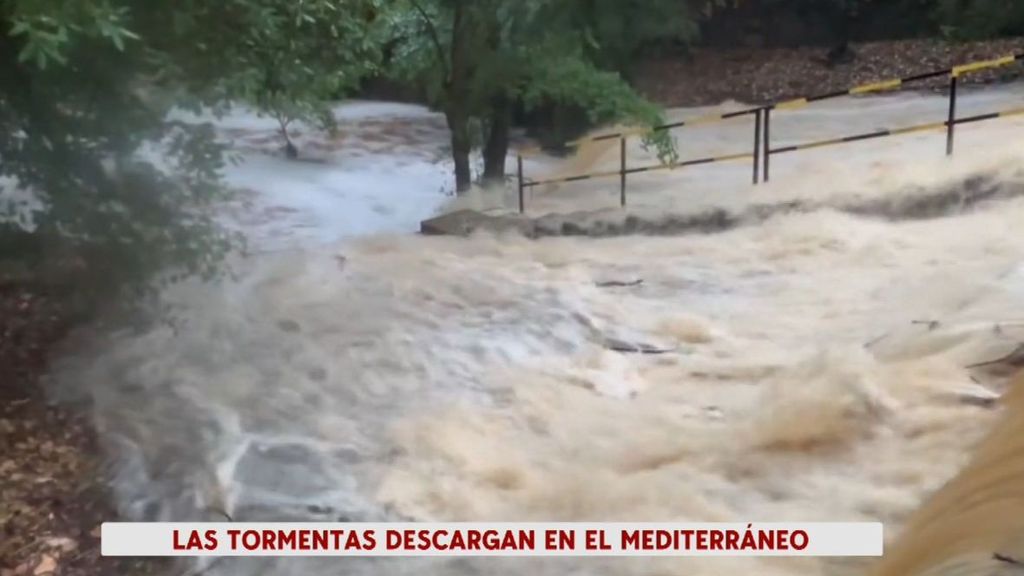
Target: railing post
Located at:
point(757, 146)
point(622, 171)
point(519, 173)
point(951, 122)
point(767, 140)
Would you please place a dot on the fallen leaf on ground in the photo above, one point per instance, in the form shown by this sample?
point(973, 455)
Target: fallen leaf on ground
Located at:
point(61, 543)
point(46, 566)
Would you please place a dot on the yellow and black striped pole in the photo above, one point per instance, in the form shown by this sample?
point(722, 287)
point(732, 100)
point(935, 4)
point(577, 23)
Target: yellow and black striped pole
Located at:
point(877, 86)
point(932, 126)
point(757, 145)
point(951, 121)
point(519, 171)
point(895, 83)
point(762, 132)
point(622, 171)
point(767, 141)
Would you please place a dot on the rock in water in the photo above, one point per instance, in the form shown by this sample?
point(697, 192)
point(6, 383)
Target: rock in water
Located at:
point(976, 395)
point(465, 222)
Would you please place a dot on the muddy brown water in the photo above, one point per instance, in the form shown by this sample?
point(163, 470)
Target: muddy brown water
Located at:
point(393, 376)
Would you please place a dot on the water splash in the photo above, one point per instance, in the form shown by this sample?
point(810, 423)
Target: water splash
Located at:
point(975, 524)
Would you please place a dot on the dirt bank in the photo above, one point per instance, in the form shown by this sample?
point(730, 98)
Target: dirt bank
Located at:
point(53, 496)
point(710, 77)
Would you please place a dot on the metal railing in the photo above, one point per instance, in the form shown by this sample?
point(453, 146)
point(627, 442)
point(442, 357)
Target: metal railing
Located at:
point(762, 149)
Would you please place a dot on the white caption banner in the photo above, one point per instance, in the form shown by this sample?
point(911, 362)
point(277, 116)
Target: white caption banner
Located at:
point(491, 539)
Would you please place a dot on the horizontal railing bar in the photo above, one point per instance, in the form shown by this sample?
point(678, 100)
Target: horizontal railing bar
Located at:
point(896, 131)
point(670, 166)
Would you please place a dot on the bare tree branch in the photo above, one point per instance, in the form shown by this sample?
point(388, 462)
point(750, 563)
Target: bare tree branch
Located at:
point(432, 29)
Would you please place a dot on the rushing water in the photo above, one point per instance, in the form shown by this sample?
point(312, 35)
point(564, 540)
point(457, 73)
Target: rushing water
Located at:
point(816, 364)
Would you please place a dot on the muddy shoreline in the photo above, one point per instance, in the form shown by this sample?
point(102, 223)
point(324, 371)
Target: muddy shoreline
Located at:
point(54, 493)
point(712, 76)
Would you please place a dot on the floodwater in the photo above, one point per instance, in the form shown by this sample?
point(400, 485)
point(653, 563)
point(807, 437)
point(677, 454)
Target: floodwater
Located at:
point(815, 365)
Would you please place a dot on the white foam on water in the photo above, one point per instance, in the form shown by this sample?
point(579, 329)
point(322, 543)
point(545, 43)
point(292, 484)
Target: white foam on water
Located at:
point(384, 171)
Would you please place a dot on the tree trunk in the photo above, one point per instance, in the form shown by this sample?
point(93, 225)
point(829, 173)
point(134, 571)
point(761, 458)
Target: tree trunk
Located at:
point(289, 147)
point(458, 125)
point(496, 148)
point(499, 114)
point(457, 112)
point(844, 16)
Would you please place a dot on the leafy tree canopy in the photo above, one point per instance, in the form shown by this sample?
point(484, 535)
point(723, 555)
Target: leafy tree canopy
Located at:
point(473, 58)
point(86, 85)
point(288, 59)
point(979, 19)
